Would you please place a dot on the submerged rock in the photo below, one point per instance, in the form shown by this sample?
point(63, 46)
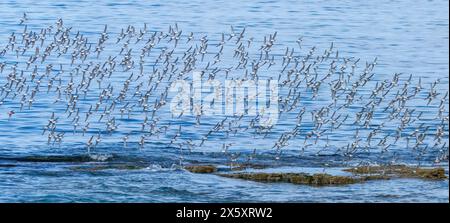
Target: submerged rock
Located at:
point(201, 169)
point(62, 158)
point(117, 166)
point(402, 171)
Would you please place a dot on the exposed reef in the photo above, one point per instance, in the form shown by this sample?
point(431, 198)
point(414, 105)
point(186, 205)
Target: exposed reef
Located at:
point(201, 168)
point(401, 171)
point(321, 179)
point(360, 175)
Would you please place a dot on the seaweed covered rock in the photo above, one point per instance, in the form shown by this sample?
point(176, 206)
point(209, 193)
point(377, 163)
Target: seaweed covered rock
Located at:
point(402, 171)
point(361, 174)
point(201, 169)
point(244, 166)
point(297, 178)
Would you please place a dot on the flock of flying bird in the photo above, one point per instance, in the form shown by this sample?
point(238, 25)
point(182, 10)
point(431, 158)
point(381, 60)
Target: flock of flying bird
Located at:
point(119, 84)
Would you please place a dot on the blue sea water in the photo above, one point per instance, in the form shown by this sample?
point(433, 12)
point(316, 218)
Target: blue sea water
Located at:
point(405, 37)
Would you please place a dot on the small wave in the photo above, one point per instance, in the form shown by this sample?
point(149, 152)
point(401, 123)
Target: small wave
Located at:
point(101, 157)
point(154, 168)
point(159, 168)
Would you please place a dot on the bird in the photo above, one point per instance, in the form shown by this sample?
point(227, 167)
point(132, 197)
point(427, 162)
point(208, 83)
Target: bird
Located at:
point(10, 114)
point(23, 19)
point(120, 81)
